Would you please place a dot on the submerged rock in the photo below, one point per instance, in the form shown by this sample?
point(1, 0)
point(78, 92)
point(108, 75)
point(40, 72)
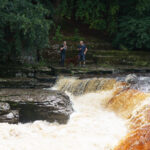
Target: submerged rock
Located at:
point(38, 104)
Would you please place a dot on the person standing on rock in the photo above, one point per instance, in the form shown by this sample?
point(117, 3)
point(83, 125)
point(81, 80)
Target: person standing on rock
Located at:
point(63, 49)
point(82, 52)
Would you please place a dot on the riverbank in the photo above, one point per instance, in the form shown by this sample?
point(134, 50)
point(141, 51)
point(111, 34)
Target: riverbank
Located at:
point(45, 76)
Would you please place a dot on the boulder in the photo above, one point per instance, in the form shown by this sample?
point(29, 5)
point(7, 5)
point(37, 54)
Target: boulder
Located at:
point(131, 79)
point(11, 117)
point(4, 108)
point(38, 104)
point(8, 115)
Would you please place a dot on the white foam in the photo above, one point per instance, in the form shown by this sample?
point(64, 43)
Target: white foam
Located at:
point(90, 128)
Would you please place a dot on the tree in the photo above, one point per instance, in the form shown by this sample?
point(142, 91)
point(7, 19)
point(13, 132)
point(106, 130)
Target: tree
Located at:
point(134, 24)
point(23, 27)
point(100, 15)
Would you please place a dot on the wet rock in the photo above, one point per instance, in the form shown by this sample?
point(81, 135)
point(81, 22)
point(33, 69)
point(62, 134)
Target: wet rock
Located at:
point(40, 81)
point(8, 115)
point(38, 104)
point(4, 108)
point(18, 83)
point(131, 79)
point(11, 117)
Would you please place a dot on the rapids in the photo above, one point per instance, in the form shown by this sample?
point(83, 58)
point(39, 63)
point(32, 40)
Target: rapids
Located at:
point(107, 115)
point(90, 128)
point(143, 83)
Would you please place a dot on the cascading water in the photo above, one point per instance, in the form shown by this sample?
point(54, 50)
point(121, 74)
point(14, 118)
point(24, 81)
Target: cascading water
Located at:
point(105, 112)
point(143, 83)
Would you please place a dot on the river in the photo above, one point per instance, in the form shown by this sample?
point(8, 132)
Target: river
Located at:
point(104, 115)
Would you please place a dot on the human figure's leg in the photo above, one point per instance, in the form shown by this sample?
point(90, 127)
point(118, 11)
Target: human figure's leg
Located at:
point(64, 56)
point(79, 59)
point(84, 60)
point(63, 59)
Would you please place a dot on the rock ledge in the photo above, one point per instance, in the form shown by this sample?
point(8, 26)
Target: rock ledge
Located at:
point(34, 104)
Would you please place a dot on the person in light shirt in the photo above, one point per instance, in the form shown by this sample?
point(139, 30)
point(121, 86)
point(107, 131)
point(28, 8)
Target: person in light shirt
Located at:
point(63, 49)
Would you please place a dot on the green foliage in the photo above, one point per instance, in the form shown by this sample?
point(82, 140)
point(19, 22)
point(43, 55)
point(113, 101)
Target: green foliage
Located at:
point(98, 14)
point(25, 24)
point(77, 36)
point(133, 32)
point(66, 8)
point(125, 21)
point(23, 27)
point(58, 36)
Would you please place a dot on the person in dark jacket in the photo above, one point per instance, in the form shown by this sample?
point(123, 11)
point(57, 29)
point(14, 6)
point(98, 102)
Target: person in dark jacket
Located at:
point(82, 53)
point(63, 49)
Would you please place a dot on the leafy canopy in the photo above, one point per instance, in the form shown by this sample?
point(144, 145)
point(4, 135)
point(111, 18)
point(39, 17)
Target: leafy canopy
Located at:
point(25, 24)
point(23, 27)
point(125, 21)
point(134, 24)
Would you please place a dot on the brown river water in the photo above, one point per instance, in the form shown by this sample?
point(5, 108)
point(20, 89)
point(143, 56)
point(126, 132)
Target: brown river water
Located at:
point(108, 116)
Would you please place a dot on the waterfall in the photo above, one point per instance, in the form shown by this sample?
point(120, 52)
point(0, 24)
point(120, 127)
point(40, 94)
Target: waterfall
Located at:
point(108, 116)
point(129, 104)
point(79, 87)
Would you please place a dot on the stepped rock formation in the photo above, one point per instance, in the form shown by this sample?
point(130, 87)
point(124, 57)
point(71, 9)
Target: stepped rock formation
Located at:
point(129, 104)
point(36, 104)
point(79, 87)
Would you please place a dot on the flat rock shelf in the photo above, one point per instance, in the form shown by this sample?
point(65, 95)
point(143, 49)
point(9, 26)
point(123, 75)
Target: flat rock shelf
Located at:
point(25, 105)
